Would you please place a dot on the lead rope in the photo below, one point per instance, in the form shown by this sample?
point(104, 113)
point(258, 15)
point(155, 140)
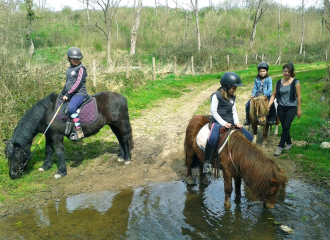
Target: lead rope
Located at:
point(27, 159)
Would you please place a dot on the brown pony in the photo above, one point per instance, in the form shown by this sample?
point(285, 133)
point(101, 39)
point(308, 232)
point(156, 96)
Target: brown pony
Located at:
point(258, 116)
point(239, 159)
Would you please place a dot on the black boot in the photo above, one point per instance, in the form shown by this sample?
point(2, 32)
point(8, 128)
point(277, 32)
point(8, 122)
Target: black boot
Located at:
point(208, 158)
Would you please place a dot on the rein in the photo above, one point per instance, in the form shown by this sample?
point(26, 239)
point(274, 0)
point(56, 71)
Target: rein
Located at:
point(231, 159)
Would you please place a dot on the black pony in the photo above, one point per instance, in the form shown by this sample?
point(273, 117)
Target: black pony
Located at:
point(112, 110)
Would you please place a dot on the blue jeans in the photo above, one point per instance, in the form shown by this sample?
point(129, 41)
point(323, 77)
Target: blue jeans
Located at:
point(74, 104)
point(214, 135)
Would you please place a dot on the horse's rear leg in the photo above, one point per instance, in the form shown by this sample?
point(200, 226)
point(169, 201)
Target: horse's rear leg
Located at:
point(189, 162)
point(124, 139)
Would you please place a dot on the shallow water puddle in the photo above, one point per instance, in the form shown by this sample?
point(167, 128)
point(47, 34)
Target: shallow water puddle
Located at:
point(175, 211)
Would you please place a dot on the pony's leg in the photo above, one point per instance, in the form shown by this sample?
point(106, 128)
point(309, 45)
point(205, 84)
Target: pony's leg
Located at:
point(59, 149)
point(124, 142)
point(264, 135)
point(255, 133)
point(189, 161)
point(49, 149)
point(202, 177)
point(238, 183)
point(228, 186)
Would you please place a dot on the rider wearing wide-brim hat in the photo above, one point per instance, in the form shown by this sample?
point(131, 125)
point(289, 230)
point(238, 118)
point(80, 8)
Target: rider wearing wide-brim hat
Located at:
point(224, 113)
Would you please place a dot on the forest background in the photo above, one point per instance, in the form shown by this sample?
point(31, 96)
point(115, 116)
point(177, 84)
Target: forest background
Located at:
point(34, 41)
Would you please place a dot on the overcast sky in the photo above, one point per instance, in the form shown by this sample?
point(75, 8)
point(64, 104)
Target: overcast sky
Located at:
point(58, 5)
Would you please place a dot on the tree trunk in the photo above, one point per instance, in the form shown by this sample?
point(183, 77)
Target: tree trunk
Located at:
point(109, 47)
point(197, 25)
point(255, 22)
point(135, 29)
point(303, 26)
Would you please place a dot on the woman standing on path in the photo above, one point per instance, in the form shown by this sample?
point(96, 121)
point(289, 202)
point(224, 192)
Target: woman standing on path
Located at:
point(287, 93)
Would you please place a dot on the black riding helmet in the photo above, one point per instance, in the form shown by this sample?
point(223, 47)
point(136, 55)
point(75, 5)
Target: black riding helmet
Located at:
point(74, 53)
point(263, 65)
point(229, 79)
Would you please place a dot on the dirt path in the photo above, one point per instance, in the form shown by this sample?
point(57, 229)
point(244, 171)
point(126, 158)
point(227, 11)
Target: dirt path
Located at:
point(158, 154)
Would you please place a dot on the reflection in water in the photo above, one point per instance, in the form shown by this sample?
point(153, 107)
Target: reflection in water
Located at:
point(175, 211)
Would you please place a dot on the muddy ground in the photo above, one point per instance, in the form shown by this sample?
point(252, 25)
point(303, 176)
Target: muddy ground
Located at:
point(158, 154)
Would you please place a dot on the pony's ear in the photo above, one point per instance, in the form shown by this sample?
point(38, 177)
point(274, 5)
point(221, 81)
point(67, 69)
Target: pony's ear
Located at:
point(282, 171)
point(273, 180)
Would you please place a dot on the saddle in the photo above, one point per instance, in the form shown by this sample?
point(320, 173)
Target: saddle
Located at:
point(88, 113)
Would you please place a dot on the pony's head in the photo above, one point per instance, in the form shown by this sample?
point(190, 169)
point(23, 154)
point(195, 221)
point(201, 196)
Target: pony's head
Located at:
point(17, 158)
point(259, 110)
point(272, 190)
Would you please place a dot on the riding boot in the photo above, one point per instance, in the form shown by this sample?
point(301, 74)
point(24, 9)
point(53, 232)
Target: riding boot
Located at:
point(208, 158)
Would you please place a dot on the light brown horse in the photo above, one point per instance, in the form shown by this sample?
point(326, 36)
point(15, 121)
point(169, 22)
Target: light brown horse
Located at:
point(258, 116)
point(239, 159)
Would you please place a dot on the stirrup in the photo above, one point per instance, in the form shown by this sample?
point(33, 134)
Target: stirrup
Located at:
point(246, 122)
point(207, 168)
point(77, 135)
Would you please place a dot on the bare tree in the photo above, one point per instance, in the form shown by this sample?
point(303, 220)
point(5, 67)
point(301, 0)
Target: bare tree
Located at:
point(87, 9)
point(303, 3)
point(135, 29)
point(257, 17)
point(198, 34)
point(106, 17)
point(327, 13)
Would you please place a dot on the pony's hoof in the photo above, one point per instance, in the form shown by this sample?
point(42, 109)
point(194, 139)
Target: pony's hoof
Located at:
point(205, 181)
point(41, 169)
point(264, 145)
point(190, 180)
point(121, 161)
point(127, 162)
point(57, 176)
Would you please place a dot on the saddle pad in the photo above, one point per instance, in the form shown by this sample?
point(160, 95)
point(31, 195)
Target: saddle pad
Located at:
point(204, 134)
point(88, 113)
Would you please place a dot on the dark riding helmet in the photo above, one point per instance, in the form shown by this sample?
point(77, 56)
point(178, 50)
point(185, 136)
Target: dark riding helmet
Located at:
point(74, 53)
point(263, 65)
point(229, 79)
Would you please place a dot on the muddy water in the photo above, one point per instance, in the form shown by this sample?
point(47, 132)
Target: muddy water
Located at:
point(175, 211)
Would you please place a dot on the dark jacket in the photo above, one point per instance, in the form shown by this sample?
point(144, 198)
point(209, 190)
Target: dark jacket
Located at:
point(75, 81)
point(225, 107)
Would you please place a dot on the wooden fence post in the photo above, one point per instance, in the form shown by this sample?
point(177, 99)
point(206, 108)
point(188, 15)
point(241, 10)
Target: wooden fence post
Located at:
point(127, 68)
point(94, 73)
point(154, 68)
point(246, 60)
point(211, 63)
point(192, 66)
point(228, 62)
point(174, 66)
point(326, 55)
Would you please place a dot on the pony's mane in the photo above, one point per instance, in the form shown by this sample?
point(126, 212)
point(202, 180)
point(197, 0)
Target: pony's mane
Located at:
point(26, 129)
point(255, 168)
point(258, 103)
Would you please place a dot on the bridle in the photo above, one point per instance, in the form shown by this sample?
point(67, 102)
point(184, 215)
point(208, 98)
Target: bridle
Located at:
point(24, 163)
